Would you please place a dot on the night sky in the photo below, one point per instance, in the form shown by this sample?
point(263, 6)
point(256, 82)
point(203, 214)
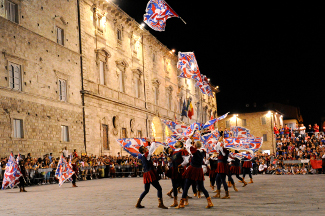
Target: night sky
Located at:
point(264, 52)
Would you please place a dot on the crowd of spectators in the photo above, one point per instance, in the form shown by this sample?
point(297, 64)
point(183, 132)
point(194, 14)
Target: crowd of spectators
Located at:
point(295, 149)
point(42, 170)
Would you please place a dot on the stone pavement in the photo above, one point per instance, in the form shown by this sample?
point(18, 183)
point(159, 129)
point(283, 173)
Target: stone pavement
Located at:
point(269, 195)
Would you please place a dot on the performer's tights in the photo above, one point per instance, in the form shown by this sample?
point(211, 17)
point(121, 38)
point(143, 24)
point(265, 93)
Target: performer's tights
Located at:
point(247, 171)
point(194, 187)
point(177, 183)
point(213, 181)
point(147, 187)
point(221, 178)
point(240, 178)
point(189, 182)
point(74, 177)
point(230, 178)
point(21, 182)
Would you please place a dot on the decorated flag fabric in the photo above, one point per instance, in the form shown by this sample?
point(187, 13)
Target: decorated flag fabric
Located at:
point(171, 142)
point(190, 129)
point(188, 65)
point(63, 171)
point(184, 110)
point(211, 122)
point(211, 128)
point(11, 174)
point(249, 144)
point(210, 140)
point(190, 112)
point(204, 86)
point(132, 145)
point(240, 132)
point(157, 13)
point(175, 127)
point(241, 156)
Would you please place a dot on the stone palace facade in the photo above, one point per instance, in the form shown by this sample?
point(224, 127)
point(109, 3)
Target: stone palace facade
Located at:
point(81, 74)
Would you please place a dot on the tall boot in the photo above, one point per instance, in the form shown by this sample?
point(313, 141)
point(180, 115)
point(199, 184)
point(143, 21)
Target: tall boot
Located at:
point(229, 184)
point(186, 201)
point(199, 194)
point(21, 189)
point(242, 181)
point(24, 189)
point(235, 187)
point(161, 204)
point(138, 205)
point(227, 196)
point(179, 190)
point(181, 204)
point(251, 181)
point(217, 195)
point(210, 204)
point(175, 202)
point(245, 183)
point(170, 193)
point(212, 188)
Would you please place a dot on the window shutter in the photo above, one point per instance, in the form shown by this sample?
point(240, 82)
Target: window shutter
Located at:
point(17, 77)
point(11, 76)
point(21, 128)
point(263, 120)
point(264, 137)
point(64, 90)
point(59, 35)
point(67, 133)
point(62, 37)
point(12, 12)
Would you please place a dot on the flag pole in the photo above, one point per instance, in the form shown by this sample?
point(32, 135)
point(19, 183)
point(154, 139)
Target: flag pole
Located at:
point(174, 12)
point(183, 20)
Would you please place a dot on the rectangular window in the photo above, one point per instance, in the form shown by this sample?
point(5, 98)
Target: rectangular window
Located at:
point(243, 122)
point(263, 120)
point(15, 76)
point(169, 101)
point(139, 135)
point(60, 36)
point(18, 128)
point(101, 73)
point(227, 124)
point(119, 34)
point(105, 137)
point(264, 137)
point(124, 133)
point(64, 133)
point(12, 11)
point(156, 96)
point(153, 57)
point(62, 90)
point(137, 88)
point(121, 81)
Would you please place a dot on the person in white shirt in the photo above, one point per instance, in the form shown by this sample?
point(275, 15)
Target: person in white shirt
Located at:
point(65, 152)
point(262, 168)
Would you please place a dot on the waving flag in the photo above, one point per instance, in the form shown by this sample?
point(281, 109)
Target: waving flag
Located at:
point(190, 112)
point(12, 173)
point(63, 171)
point(157, 13)
point(211, 128)
point(241, 156)
point(249, 144)
point(132, 145)
point(171, 142)
point(210, 140)
point(204, 86)
point(240, 132)
point(175, 127)
point(188, 65)
point(211, 122)
point(184, 110)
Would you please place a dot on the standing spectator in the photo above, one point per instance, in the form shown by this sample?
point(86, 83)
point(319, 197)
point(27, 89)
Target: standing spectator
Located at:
point(286, 130)
point(276, 130)
point(316, 129)
point(74, 154)
point(65, 152)
point(302, 131)
point(50, 157)
point(310, 130)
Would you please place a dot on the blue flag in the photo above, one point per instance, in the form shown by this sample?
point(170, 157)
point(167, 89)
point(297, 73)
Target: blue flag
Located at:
point(184, 110)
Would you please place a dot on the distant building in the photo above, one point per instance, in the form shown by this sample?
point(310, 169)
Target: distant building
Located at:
point(260, 124)
point(82, 74)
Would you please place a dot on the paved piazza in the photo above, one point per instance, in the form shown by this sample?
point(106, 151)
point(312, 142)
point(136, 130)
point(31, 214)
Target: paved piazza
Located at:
point(269, 195)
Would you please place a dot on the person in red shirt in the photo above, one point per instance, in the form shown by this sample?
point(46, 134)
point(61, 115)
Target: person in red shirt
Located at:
point(316, 129)
point(276, 130)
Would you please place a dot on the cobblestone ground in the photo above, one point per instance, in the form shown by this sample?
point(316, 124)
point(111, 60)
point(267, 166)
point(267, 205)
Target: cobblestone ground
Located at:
point(268, 195)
